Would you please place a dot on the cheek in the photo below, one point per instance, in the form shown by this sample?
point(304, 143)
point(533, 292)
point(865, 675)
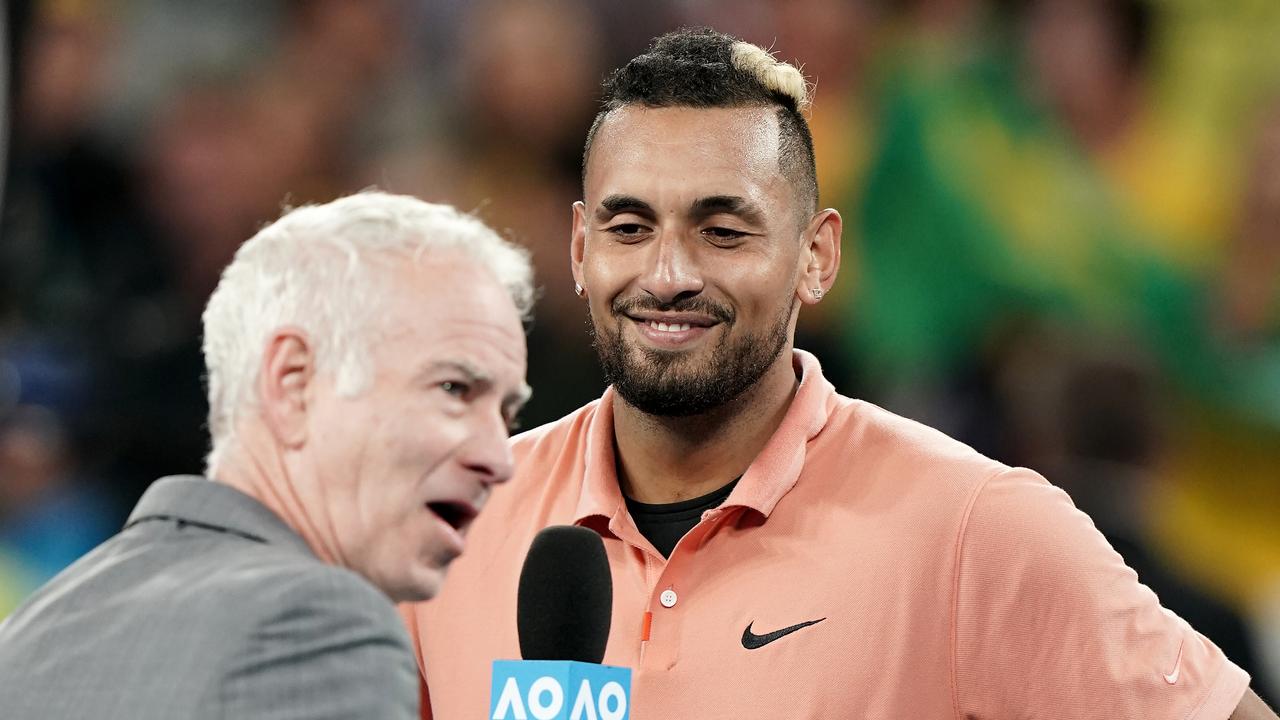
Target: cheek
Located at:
point(342, 426)
point(609, 267)
point(761, 282)
point(393, 489)
point(600, 313)
point(417, 453)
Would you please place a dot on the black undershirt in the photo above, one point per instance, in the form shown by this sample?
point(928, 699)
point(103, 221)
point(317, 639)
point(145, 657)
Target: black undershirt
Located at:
point(664, 524)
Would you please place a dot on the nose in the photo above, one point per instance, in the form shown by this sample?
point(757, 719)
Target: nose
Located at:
point(487, 452)
point(671, 271)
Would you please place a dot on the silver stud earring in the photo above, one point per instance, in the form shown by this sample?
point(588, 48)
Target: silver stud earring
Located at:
point(817, 293)
point(577, 290)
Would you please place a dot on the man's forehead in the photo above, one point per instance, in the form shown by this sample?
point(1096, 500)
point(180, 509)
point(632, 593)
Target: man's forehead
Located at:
point(442, 274)
point(740, 134)
point(450, 297)
point(477, 351)
point(670, 157)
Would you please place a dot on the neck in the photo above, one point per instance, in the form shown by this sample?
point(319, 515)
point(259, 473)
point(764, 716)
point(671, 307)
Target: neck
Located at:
point(256, 466)
point(668, 459)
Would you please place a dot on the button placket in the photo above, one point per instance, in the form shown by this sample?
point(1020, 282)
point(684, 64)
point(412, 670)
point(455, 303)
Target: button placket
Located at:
point(661, 651)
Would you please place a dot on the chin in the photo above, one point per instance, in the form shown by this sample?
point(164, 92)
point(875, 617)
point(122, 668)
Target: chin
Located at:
point(414, 593)
point(424, 584)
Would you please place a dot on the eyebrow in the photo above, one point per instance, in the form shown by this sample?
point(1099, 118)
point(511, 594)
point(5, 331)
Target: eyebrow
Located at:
point(471, 372)
point(512, 401)
point(729, 205)
point(618, 204)
point(701, 208)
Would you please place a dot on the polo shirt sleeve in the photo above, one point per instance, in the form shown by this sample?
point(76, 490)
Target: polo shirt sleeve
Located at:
point(1048, 621)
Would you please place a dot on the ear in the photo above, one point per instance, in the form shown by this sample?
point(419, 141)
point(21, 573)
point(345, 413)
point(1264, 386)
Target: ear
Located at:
point(820, 255)
point(578, 242)
point(288, 367)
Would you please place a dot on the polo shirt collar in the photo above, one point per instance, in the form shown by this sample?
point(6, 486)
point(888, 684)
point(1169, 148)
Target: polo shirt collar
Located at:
point(600, 496)
point(770, 476)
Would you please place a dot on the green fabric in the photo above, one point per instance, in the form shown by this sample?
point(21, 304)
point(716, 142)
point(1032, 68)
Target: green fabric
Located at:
point(979, 211)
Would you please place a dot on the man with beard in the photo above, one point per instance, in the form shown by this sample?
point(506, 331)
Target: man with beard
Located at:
point(778, 550)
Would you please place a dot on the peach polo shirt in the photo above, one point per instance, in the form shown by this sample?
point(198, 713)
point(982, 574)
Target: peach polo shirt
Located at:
point(943, 585)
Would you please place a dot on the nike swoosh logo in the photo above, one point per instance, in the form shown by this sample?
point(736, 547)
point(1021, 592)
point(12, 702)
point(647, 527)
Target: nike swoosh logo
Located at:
point(751, 641)
point(1172, 677)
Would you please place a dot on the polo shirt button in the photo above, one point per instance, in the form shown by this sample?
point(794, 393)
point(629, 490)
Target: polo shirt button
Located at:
point(668, 598)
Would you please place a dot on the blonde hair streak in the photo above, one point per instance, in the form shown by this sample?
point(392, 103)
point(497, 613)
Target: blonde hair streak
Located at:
point(774, 74)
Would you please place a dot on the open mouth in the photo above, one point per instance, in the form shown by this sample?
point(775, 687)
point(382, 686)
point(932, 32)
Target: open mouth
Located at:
point(457, 514)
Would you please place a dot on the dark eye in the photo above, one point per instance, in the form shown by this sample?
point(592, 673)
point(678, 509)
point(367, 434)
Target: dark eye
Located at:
point(628, 232)
point(723, 235)
point(455, 388)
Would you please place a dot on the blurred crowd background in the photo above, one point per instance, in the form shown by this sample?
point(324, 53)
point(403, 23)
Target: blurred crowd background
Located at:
point(1062, 233)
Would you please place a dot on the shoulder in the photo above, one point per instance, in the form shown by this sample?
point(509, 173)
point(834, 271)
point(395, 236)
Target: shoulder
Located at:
point(286, 604)
point(916, 481)
point(572, 424)
point(311, 606)
point(863, 435)
point(323, 639)
point(1018, 517)
point(313, 596)
point(546, 441)
point(1033, 573)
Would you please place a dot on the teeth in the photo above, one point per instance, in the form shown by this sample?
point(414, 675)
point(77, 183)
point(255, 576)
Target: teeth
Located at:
point(665, 327)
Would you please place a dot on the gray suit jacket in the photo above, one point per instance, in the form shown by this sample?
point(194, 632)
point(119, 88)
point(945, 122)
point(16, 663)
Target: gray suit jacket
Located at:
point(206, 605)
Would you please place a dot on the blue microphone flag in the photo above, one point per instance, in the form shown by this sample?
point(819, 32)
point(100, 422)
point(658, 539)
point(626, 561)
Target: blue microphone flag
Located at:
point(559, 690)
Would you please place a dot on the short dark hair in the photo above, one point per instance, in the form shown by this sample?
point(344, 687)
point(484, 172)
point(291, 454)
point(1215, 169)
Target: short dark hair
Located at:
point(697, 67)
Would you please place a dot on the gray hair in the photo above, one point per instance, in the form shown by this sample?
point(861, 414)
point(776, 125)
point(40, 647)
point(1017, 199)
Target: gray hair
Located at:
point(311, 269)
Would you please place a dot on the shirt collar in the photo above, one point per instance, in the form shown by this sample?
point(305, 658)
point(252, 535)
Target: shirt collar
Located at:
point(601, 496)
point(770, 476)
point(216, 505)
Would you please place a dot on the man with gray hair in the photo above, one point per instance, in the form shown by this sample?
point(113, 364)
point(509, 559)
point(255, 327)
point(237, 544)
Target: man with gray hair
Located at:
point(365, 360)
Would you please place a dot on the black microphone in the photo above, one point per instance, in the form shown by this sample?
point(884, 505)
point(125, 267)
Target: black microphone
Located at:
point(563, 612)
point(565, 601)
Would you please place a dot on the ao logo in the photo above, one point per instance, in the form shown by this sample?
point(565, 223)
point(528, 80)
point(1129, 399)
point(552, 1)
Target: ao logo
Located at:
point(545, 701)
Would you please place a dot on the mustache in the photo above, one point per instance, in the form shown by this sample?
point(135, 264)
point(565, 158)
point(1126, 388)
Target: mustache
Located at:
point(701, 305)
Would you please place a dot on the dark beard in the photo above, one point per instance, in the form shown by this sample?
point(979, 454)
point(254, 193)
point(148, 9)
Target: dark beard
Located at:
point(670, 384)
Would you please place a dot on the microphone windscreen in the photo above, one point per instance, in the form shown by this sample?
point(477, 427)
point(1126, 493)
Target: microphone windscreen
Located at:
point(565, 600)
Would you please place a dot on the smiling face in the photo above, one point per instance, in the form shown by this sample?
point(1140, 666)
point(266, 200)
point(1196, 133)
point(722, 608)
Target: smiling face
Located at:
point(691, 253)
point(399, 471)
